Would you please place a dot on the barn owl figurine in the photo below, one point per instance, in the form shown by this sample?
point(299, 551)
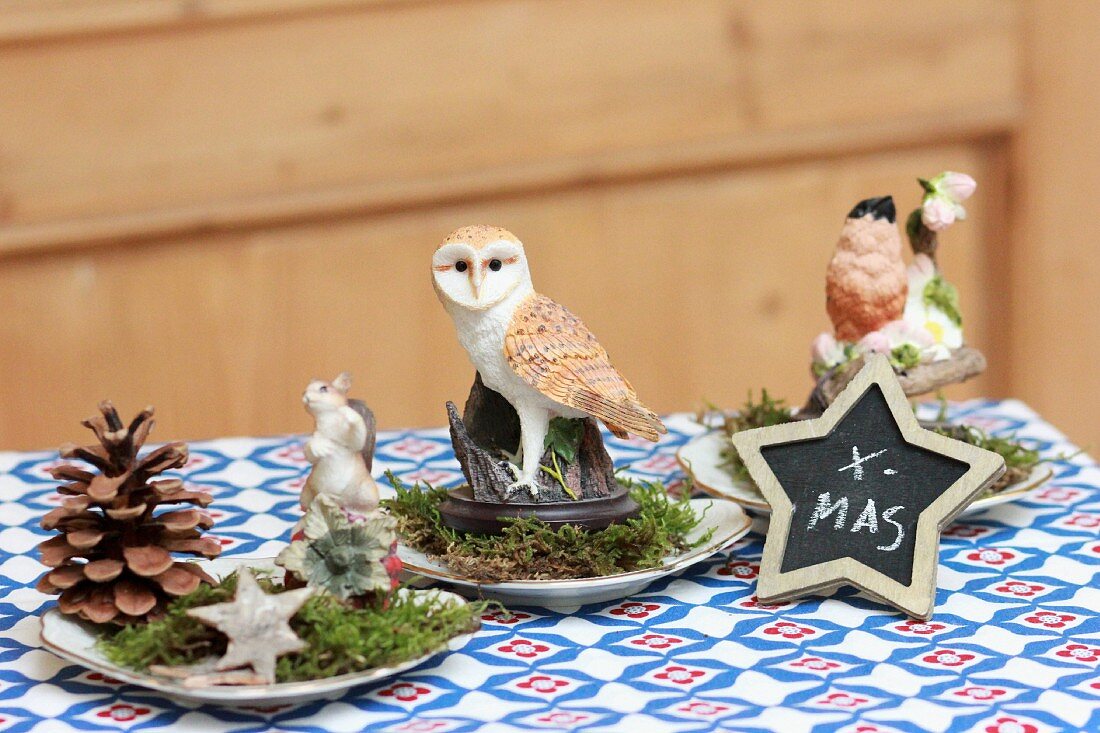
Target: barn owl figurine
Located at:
point(531, 350)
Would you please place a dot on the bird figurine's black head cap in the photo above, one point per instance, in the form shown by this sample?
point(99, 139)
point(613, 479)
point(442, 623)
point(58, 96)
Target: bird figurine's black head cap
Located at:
point(880, 207)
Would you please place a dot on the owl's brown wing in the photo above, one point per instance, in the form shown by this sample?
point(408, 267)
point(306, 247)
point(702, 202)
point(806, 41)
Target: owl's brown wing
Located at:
point(550, 349)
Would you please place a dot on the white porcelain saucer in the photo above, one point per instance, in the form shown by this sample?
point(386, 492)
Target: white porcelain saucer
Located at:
point(727, 520)
point(75, 641)
point(701, 458)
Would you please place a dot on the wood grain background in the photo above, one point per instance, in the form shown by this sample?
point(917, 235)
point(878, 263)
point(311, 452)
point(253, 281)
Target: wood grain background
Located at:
point(203, 205)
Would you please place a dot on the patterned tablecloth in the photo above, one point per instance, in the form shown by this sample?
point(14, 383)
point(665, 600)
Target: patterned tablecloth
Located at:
point(1014, 646)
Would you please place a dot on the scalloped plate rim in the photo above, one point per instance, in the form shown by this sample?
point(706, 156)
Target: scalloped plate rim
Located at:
point(53, 622)
point(746, 493)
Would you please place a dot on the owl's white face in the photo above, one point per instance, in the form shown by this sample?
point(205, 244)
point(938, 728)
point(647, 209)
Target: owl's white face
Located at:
point(479, 278)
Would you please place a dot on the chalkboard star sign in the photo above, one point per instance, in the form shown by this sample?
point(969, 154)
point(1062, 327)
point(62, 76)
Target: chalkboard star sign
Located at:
point(859, 495)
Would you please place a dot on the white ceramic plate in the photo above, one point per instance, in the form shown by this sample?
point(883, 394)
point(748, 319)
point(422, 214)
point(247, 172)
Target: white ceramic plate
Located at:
point(701, 458)
point(75, 641)
point(727, 519)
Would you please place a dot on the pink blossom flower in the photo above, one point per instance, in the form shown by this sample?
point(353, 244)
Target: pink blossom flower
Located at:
point(937, 212)
point(826, 351)
point(956, 186)
point(875, 342)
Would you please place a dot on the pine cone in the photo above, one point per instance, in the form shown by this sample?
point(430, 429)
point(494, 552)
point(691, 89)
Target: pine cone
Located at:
point(112, 560)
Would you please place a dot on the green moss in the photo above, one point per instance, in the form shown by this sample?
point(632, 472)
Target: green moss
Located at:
point(905, 356)
point(528, 549)
point(1019, 459)
point(941, 294)
point(762, 414)
point(340, 639)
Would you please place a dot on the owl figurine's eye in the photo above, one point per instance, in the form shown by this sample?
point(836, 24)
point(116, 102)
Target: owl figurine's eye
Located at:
point(495, 264)
point(461, 265)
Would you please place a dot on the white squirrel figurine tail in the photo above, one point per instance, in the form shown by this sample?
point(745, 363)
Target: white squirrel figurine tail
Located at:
point(336, 448)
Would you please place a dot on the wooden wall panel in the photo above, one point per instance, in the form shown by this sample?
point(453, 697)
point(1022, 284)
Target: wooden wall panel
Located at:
point(1055, 266)
point(701, 286)
point(351, 107)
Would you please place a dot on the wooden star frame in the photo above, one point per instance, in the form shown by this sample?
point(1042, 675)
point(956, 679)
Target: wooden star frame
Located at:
point(825, 562)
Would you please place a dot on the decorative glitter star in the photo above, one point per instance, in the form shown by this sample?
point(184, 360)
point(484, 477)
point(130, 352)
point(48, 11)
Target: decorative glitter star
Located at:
point(257, 625)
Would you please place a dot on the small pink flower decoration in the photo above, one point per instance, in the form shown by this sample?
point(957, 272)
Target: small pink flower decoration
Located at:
point(956, 186)
point(937, 213)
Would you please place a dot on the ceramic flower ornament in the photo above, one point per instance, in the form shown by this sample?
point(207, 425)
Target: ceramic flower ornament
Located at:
point(347, 557)
point(944, 194)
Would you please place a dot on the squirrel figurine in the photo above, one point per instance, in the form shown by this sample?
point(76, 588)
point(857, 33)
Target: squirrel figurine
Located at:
point(341, 448)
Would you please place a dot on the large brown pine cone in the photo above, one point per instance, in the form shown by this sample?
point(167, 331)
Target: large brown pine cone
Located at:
point(112, 561)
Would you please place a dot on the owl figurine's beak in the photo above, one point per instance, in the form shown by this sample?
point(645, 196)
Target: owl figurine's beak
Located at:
point(476, 277)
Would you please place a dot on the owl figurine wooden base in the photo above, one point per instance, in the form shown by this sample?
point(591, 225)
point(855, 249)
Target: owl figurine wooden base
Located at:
point(529, 435)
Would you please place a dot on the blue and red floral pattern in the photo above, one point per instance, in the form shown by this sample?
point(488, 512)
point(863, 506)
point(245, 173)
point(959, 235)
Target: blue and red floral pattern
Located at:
point(1014, 646)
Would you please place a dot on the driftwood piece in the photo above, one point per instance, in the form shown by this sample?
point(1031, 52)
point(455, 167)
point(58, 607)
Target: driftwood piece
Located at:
point(490, 425)
point(964, 363)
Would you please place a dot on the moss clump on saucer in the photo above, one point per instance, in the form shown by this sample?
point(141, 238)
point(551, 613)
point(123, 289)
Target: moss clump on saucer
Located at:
point(340, 639)
point(529, 549)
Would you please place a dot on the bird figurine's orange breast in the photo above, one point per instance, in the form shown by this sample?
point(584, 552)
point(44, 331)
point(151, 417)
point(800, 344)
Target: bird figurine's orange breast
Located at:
point(866, 283)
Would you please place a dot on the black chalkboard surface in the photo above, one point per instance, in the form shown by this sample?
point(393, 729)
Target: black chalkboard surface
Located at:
point(859, 491)
point(860, 494)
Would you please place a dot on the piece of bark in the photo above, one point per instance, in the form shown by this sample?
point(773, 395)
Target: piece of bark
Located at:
point(964, 363)
point(490, 425)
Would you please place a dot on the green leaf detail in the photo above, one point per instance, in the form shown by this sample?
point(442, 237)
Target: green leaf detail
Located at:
point(564, 437)
point(905, 356)
point(938, 293)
